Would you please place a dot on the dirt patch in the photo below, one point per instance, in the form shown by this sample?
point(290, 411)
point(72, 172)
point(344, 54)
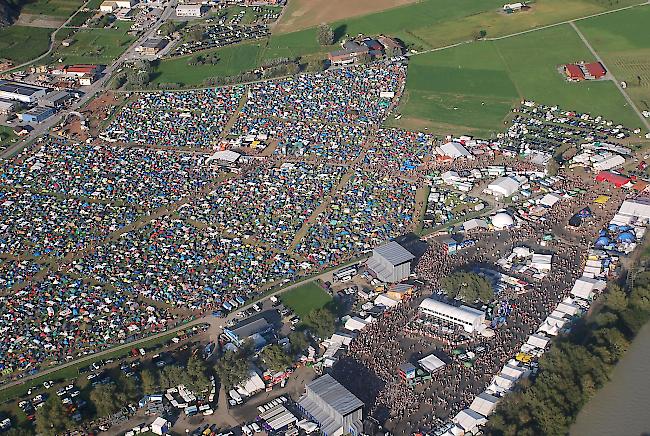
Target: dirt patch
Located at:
point(44, 21)
point(301, 14)
point(102, 108)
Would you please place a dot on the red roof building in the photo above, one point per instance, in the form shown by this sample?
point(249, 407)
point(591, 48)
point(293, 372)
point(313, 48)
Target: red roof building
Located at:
point(573, 72)
point(595, 69)
point(617, 179)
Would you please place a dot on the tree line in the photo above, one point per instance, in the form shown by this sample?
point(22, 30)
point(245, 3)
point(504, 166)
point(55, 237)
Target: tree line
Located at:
point(576, 366)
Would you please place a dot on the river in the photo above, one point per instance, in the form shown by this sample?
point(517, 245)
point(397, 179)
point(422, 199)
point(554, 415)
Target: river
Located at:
point(622, 406)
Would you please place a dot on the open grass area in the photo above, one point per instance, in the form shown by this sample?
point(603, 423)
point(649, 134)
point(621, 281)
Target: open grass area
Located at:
point(232, 61)
point(305, 298)
point(55, 8)
point(21, 43)
point(95, 46)
point(471, 88)
point(622, 39)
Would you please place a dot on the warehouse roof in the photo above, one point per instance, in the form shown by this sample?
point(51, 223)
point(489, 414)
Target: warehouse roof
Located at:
point(464, 313)
point(19, 88)
point(394, 253)
point(335, 394)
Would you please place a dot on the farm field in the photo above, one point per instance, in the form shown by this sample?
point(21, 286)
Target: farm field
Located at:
point(301, 14)
point(21, 44)
point(305, 298)
point(623, 41)
point(95, 46)
point(55, 8)
point(232, 61)
point(471, 88)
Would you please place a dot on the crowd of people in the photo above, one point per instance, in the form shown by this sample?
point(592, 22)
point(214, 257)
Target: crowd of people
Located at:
point(191, 119)
point(61, 317)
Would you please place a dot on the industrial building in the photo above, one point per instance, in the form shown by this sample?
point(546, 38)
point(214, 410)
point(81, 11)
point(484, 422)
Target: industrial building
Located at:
point(7, 106)
point(189, 10)
point(37, 114)
point(332, 406)
point(56, 99)
point(470, 319)
point(151, 46)
point(21, 91)
point(249, 330)
point(390, 263)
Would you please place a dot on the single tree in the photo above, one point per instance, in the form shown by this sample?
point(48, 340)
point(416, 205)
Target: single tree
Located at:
point(325, 35)
point(275, 358)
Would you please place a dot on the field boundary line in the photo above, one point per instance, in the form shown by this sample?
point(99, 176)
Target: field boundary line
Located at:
point(595, 54)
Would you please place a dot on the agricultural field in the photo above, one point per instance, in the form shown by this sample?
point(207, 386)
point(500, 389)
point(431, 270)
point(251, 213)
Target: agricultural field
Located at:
point(471, 88)
point(305, 298)
point(95, 46)
point(21, 43)
point(623, 41)
point(301, 14)
point(55, 8)
point(232, 61)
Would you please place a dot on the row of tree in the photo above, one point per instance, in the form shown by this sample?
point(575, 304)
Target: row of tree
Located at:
point(575, 367)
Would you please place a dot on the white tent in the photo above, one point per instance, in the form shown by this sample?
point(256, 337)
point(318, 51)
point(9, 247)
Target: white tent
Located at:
point(585, 287)
point(541, 262)
point(450, 177)
point(431, 363)
point(453, 150)
point(355, 323)
point(475, 223)
point(550, 199)
point(504, 186)
point(383, 300)
point(511, 369)
point(253, 384)
point(469, 420)
point(568, 309)
point(538, 341)
point(638, 207)
point(484, 403)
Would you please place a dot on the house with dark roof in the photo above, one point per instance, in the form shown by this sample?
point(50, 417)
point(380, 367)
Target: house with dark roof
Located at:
point(336, 410)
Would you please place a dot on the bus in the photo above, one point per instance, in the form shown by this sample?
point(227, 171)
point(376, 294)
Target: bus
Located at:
point(345, 274)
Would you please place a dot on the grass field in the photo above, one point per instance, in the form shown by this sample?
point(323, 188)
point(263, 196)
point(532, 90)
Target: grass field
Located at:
point(232, 61)
point(305, 298)
point(56, 8)
point(622, 39)
point(21, 44)
point(471, 88)
point(95, 46)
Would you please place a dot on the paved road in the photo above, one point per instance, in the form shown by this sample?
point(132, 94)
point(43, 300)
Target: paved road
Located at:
point(611, 76)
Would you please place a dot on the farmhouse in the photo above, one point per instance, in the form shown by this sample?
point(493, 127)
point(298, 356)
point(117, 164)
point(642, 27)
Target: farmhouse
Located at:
point(573, 72)
point(348, 54)
point(189, 10)
point(584, 71)
point(594, 70)
point(509, 8)
point(374, 47)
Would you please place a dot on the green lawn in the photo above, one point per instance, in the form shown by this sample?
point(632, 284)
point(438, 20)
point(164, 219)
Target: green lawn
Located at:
point(305, 298)
point(21, 43)
point(95, 46)
point(622, 39)
point(232, 61)
point(56, 8)
point(471, 88)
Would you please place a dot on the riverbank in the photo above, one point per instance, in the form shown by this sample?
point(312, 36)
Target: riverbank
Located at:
point(621, 406)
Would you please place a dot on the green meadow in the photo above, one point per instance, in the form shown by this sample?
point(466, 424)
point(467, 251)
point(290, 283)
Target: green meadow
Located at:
point(471, 88)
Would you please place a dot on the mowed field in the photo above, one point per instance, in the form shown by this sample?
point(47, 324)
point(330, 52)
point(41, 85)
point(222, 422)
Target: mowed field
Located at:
point(232, 61)
point(20, 43)
point(305, 298)
point(622, 39)
point(471, 88)
point(301, 14)
point(55, 8)
point(96, 46)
